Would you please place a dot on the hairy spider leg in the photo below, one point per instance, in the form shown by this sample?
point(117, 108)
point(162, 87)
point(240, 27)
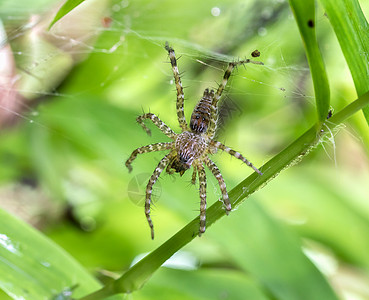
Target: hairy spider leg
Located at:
point(202, 191)
point(159, 123)
point(194, 174)
point(215, 170)
point(214, 106)
point(145, 149)
point(218, 94)
point(236, 154)
point(228, 73)
point(180, 94)
point(154, 177)
point(226, 76)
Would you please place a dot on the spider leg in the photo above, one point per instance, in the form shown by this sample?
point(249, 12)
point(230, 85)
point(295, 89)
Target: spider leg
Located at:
point(159, 123)
point(228, 73)
point(145, 149)
point(202, 191)
point(180, 94)
point(193, 179)
point(224, 82)
point(154, 177)
point(218, 93)
point(215, 170)
point(236, 154)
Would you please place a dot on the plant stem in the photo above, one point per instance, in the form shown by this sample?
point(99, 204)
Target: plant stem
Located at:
point(138, 274)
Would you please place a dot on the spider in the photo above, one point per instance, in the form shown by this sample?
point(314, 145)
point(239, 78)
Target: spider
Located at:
point(193, 145)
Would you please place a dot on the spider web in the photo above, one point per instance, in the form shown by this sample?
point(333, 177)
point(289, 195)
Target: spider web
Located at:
point(113, 51)
point(26, 68)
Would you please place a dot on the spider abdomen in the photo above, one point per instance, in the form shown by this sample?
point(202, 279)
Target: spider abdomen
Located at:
point(200, 117)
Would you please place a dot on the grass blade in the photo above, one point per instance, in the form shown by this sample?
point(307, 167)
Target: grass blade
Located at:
point(66, 8)
point(351, 28)
point(304, 12)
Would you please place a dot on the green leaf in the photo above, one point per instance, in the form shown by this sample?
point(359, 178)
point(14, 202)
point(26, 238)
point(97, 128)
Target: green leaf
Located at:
point(270, 252)
point(347, 202)
point(66, 8)
point(33, 267)
point(203, 283)
point(351, 28)
point(304, 12)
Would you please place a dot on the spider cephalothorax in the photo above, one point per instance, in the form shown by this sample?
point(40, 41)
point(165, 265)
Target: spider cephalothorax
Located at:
point(193, 145)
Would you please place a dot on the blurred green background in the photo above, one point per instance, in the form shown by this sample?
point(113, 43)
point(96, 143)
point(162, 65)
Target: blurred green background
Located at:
point(68, 125)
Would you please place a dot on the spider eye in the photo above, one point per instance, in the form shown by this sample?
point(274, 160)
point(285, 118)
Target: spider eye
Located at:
point(197, 117)
point(203, 119)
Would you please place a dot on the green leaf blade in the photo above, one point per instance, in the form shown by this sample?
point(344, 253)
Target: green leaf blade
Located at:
point(304, 12)
point(65, 9)
point(270, 252)
point(351, 28)
point(42, 267)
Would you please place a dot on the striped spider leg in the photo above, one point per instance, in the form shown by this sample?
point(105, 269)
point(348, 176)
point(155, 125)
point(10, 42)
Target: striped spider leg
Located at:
point(219, 92)
point(146, 149)
point(179, 88)
point(154, 177)
point(236, 154)
point(159, 123)
point(202, 192)
point(152, 148)
point(214, 169)
point(193, 145)
point(194, 174)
